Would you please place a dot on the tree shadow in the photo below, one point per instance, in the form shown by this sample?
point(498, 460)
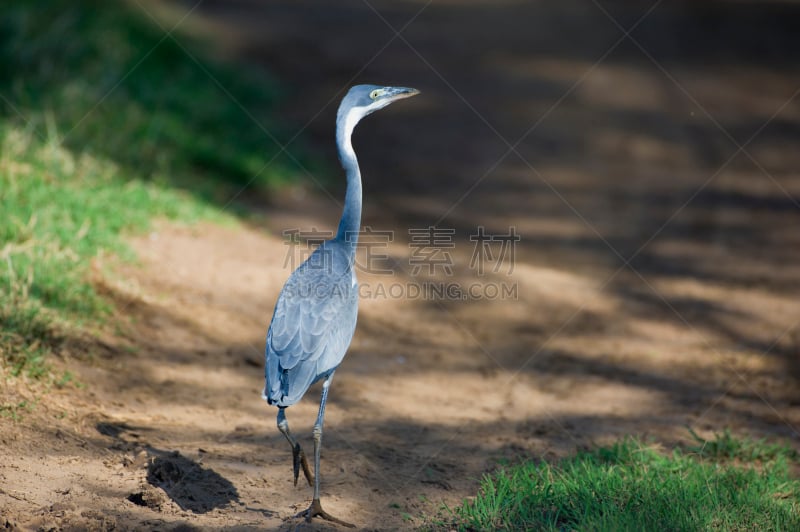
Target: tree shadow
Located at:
point(617, 142)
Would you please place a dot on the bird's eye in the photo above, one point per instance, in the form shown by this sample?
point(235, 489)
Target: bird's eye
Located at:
point(374, 94)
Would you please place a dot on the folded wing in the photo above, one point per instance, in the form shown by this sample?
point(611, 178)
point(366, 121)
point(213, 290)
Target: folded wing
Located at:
point(311, 328)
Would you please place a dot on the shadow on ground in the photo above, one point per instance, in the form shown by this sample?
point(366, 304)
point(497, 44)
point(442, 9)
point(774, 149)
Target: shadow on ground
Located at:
point(186, 482)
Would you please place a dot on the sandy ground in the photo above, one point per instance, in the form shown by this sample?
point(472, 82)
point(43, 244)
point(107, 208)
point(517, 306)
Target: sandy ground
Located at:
point(655, 191)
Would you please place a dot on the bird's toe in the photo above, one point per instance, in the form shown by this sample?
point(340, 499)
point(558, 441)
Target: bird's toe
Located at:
point(315, 510)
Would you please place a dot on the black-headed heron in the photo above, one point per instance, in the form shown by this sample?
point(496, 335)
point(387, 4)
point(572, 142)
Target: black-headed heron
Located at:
point(315, 316)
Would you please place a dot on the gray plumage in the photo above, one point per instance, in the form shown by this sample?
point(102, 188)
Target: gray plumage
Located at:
point(313, 323)
point(315, 315)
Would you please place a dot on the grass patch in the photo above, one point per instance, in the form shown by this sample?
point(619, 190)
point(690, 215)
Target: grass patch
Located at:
point(107, 79)
point(59, 209)
point(105, 124)
point(725, 446)
point(631, 486)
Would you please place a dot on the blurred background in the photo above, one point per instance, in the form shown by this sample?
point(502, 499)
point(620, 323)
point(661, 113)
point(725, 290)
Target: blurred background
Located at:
point(645, 153)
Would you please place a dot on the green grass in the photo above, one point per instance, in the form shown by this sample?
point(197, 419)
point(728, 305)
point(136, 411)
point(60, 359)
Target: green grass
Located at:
point(105, 77)
point(631, 486)
point(726, 446)
point(106, 125)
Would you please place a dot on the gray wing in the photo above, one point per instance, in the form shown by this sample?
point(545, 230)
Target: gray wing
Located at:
point(311, 329)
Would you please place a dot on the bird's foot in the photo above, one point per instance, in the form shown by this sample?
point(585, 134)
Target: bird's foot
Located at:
point(315, 510)
point(299, 459)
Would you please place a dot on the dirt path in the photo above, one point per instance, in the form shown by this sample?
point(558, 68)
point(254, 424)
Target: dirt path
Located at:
point(630, 160)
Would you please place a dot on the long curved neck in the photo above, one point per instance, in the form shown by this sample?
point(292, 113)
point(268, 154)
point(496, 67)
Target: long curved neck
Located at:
point(350, 224)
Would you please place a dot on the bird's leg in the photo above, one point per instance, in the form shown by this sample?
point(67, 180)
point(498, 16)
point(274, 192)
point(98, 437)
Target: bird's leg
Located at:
point(298, 456)
point(315, 510)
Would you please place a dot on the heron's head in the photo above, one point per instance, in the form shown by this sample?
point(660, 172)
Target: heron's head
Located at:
point(362, 100)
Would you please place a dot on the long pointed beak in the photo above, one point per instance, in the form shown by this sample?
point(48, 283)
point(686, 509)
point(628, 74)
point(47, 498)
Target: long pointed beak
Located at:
point(398, 93)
